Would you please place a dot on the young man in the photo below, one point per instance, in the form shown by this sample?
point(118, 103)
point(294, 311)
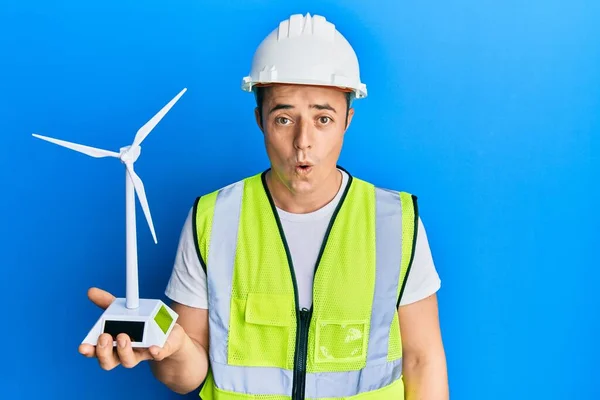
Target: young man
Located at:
point(301, 281)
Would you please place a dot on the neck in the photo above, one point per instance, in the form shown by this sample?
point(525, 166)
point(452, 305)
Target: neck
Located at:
point(302, 203)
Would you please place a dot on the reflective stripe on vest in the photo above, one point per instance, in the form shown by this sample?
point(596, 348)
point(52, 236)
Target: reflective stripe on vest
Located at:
point(394, 240)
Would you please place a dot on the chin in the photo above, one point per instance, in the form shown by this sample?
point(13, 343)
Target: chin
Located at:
point(301, 186)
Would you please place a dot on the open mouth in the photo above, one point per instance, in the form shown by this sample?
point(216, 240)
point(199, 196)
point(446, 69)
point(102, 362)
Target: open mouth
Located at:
point(303, 168)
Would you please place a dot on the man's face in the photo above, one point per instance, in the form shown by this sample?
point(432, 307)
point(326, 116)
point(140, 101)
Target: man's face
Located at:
point(304, 129)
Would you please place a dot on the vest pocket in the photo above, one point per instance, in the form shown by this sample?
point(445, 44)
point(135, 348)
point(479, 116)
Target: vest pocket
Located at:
point(267, 309)
point(341, 341)
point(261, 334)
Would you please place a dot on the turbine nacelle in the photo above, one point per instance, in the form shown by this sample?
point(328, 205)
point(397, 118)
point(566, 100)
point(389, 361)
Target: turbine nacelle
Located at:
point(129, 154)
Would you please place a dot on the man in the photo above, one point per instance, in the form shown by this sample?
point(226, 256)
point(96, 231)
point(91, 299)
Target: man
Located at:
point(301, 281)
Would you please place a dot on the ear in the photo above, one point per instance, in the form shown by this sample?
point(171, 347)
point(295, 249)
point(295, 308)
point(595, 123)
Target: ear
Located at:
point(258, 119)
point(349, 118)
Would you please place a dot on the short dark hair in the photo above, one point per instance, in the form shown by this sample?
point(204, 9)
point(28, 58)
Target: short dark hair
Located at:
point(259, 95)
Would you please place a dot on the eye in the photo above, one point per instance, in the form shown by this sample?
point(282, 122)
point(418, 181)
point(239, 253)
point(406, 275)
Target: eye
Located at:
point(282, 120)
point(324, 120)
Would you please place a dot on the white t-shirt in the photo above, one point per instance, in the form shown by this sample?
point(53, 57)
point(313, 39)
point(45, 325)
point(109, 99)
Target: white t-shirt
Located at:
point(304, 234)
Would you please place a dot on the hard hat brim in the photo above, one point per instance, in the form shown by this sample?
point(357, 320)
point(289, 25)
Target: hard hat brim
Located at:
point(248, 86)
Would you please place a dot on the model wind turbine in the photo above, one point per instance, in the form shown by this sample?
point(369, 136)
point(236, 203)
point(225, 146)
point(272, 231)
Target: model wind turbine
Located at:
point(148, 322)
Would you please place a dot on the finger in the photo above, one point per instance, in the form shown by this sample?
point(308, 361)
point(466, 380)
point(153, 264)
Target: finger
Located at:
point(87, 350)
point(105, 353)
point(127, 357)
point(100, 297)
point(142, 354)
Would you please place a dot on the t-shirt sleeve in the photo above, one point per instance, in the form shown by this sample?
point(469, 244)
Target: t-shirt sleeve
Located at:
point(423, 279)
point(187, 284)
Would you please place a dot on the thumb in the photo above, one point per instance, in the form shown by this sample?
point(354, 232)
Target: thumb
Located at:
point(100, 297)
point(173, 343)
point(160, 353)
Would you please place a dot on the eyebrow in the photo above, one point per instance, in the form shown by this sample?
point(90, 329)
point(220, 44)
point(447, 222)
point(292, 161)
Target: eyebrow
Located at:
point(325, 106)
point(281, 107)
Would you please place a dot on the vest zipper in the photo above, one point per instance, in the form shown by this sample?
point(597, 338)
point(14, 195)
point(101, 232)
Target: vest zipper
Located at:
point(301, 354)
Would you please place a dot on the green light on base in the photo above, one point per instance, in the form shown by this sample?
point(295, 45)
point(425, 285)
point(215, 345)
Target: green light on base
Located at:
point(163, 319)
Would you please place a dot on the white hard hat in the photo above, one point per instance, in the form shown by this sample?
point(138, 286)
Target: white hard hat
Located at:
point(306, 50)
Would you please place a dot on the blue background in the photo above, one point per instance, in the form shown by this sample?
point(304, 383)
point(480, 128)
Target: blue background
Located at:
point(488, 111)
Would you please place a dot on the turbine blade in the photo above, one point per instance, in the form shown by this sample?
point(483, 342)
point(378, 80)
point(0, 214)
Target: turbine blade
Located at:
point(141, 193)
point(90, 151)
point(148, 126)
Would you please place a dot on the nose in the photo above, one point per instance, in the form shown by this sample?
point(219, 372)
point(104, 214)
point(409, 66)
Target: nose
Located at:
point(303, 139)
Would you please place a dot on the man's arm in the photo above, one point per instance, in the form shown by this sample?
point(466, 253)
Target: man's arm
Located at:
point(186, 369)
point(424, 360)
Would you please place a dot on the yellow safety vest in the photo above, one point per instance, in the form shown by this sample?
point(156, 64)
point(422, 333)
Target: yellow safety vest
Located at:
point(262, 345)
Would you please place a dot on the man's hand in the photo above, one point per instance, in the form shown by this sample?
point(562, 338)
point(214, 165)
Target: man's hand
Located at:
point(123, 354)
